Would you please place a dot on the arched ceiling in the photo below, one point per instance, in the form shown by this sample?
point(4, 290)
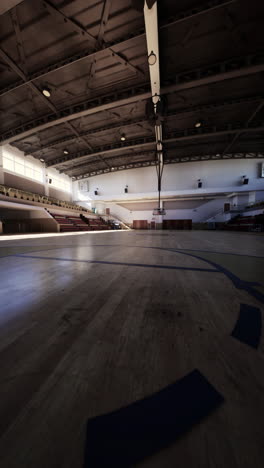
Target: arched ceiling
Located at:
point(92, 57)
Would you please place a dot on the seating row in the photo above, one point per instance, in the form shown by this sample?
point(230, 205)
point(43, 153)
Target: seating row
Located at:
point(34, 197)
point(245, 223)
point(97, 224)
point(75, 223)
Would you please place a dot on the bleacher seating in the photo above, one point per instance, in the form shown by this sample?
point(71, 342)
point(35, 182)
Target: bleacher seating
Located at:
point(79, 223)
point(36, 198)
point(65, 224)
point(76, 223)
point(96, 224)
point(245, 223)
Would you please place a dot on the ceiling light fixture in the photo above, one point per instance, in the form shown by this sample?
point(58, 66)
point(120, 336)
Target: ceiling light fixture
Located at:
point(46, 91)
point(198, 124)
point(123, 137)
point(65, 151)
point(42, 160)
point(152, 58)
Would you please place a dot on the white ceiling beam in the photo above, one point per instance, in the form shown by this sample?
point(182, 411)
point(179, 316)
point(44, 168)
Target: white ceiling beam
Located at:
point(152, 37)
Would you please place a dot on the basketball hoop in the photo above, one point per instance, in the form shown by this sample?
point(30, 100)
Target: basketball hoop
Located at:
point(159, 212)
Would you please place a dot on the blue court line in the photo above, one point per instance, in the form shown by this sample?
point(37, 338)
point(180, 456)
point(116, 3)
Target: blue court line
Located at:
point(248, 326)
point(245, 233)
point(223, 253)
point(237, 282)
point(104, 262)
point(135, 246)
point(164, 248)
point(128, 435)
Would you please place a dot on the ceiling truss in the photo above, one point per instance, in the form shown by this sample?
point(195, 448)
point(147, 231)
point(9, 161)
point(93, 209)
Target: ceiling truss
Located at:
point(94, 53)
point(208, 110)
point(239, 133)
point(184, 159)
point(215, 73)
point(172, 137)
point(141, 121)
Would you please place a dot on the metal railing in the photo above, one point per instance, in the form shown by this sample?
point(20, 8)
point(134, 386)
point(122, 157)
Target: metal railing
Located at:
point(213, 215)
point(247, 206)
point(236, 209)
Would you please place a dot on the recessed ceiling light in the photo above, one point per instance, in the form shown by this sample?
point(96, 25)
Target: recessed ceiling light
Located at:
point(198, 124)
point(123, 137)
point(46, 91)
point(65, 151)
point(152, 58)
point(42, 160)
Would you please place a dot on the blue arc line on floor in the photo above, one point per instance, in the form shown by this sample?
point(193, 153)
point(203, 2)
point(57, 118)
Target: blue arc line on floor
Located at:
point(222, 253)
point(125, 246)
point(237, 282)
point(248, 326)
point(104, 262)
point(125, 437)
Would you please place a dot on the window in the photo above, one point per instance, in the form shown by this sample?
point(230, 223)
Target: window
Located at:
point(8, 164)
point(38, 176)
point(27, 167)
point(22, 166)
point(19, 168)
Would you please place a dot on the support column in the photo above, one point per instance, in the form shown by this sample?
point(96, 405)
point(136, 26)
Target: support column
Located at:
point(46, 182)
point(252, 197)
point(159, 219)
point(2, 181)
point(100, 208)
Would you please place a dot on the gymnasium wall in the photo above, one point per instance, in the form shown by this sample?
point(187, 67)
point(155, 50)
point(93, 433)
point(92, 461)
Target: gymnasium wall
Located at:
point(197, 215)
point(220, 175)
point(56, 193)
point(220, 179)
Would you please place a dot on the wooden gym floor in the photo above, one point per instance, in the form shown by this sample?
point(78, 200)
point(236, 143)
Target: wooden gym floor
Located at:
point(90, 323)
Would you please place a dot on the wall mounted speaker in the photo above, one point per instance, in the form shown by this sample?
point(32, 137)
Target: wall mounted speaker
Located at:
point(126, 190)
point(95, 192)
point(200, 184)
point(245, 182)
point(50, 181)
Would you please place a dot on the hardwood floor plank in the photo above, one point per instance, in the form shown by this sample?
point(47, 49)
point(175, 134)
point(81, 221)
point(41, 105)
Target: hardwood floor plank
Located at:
point(78, 340)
